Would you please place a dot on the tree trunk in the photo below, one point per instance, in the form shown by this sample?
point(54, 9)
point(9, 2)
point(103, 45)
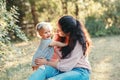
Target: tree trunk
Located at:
point(64, 6)
point(34, 13)
point(76, 10)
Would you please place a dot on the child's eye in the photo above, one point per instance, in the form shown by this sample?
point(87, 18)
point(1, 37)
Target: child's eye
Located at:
point(45, 32)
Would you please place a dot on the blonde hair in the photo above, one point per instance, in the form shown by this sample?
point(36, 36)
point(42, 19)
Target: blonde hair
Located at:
point(43, 25)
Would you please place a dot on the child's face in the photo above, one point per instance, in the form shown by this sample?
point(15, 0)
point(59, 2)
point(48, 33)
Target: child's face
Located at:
point(45, 33)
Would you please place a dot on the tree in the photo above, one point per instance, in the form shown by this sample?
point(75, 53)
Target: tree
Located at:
point(8, 25)
point(34, 12)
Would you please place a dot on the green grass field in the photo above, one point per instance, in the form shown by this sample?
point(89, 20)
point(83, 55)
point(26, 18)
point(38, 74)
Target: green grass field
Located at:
point(104, 59)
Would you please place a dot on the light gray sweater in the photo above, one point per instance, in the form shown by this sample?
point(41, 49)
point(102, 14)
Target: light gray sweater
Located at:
point(76, 59)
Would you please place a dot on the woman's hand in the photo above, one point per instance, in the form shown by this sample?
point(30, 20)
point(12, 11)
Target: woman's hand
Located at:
point(40, 61)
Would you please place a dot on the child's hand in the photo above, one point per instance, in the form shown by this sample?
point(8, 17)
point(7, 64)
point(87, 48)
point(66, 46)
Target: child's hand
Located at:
point(40, 61)
point(35, 67)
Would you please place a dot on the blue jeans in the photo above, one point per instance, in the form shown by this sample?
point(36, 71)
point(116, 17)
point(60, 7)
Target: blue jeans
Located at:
point(50, 73)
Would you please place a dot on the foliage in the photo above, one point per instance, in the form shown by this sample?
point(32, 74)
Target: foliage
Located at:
point(106, 19)
point(8, 30)
point(112, 13)
point(5, 50)
point(113, 30)
point(96, 27)
point(8, 26)
point(106, 13)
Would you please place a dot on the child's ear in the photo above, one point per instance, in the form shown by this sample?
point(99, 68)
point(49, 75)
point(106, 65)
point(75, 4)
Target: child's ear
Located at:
point(38, 35)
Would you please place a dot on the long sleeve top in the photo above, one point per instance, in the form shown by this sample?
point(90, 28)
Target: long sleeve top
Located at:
point(76, 59)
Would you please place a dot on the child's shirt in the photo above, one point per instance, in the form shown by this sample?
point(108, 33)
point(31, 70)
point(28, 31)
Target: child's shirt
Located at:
point(43, 51)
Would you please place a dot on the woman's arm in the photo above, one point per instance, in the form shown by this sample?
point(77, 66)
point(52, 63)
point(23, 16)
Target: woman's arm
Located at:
point(42, 61)
point(51, 63)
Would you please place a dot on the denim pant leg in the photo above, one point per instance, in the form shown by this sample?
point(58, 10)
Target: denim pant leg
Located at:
point(75, 74)
point(43, 73)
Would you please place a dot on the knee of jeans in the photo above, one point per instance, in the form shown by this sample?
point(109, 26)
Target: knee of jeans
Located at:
point(50, 79)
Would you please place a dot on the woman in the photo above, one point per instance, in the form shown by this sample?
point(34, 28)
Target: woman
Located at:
point(73, 63)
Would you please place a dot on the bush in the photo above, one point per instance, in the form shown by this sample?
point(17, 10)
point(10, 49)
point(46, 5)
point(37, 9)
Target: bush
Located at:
point(7, 25)
point(96, 27)
point(5, 50)
point(113, 31)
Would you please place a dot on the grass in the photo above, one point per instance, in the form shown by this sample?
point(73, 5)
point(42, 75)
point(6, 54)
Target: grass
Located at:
point(104, 60)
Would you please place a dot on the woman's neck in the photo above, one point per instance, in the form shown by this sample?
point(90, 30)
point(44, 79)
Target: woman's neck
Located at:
point(67, 40)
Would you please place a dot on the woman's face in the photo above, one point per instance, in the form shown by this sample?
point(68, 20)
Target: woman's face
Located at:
point(60, 32)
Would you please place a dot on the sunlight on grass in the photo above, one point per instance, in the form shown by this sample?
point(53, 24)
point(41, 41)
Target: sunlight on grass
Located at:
point(103, 69)
point(104, 58)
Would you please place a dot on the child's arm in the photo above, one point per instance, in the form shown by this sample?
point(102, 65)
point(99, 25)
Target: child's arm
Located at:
point(57, 43)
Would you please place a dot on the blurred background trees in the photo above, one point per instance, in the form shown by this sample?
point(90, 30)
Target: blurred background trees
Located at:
point(101, 17)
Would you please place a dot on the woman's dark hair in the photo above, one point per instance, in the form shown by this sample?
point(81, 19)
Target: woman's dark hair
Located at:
point(77, 32)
